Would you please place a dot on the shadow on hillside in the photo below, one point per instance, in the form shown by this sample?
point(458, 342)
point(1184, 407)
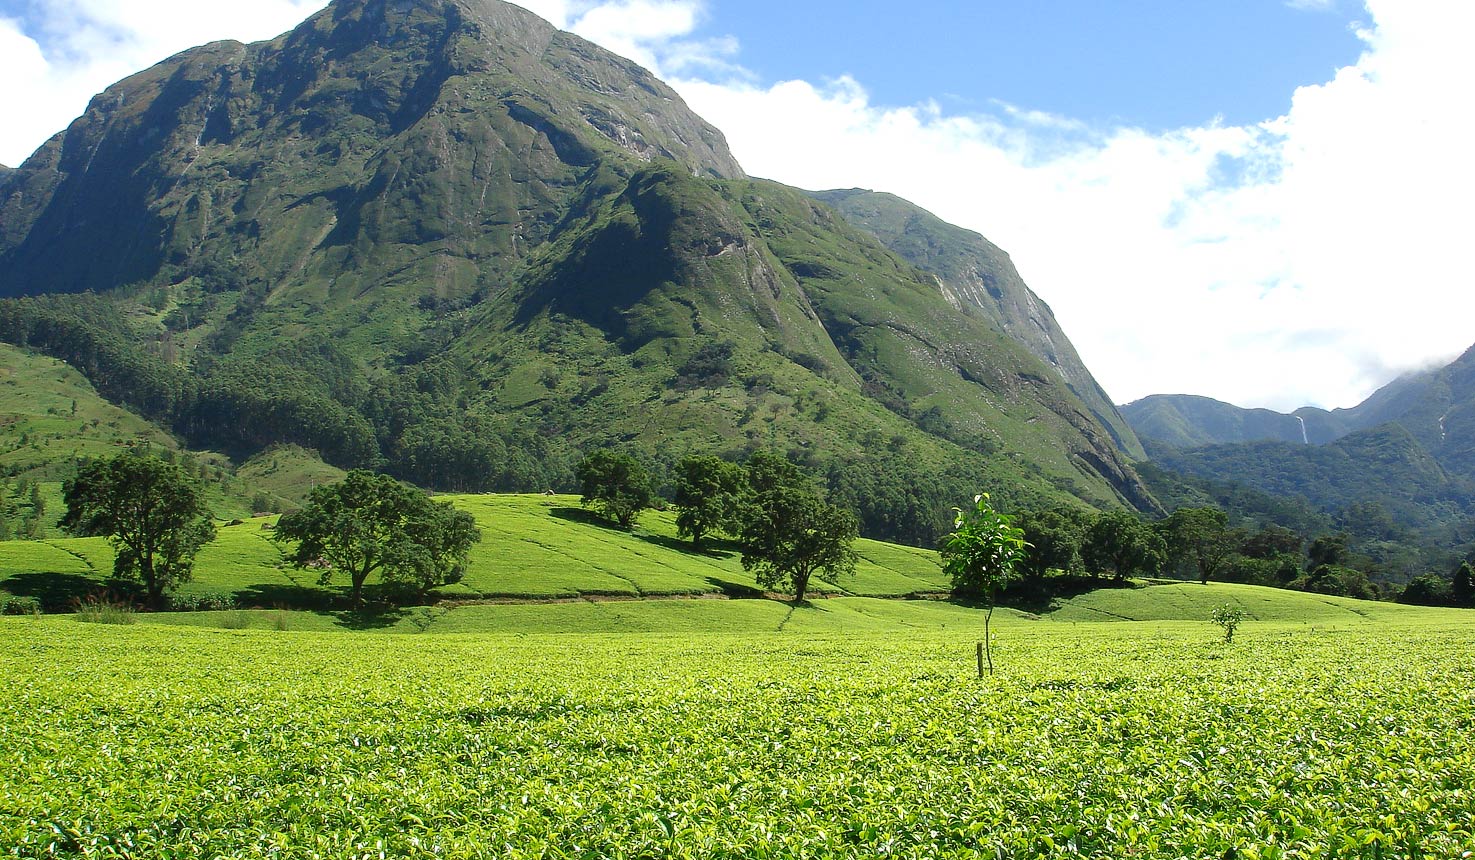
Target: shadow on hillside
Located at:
point(270, 595)
point(711, 549)
point(583, 517)
point(1040, 596)
point(736, 590)
point(372, 617)
point(57, 592)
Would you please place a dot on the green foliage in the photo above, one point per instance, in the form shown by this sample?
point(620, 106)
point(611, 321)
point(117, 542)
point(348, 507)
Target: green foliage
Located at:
point(708, 497)
point(151, 513)
point(1055, 538)
point(369, 523)
point(1122, 739)
point(1201, 537)
point(105, 610)
point(615, 486)
point(1427, 589)
point(11, 604)
point(1228, 617)
point(984, 551)
point(1121, 543)
point(789, 532)
point(1462, 586)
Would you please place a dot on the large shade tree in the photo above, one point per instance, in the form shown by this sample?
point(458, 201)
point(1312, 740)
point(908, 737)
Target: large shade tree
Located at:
point(789, 532)
point(370, 523)
point(149, 510)
point(615, 485)
point(708, 494)
point(1121, 543)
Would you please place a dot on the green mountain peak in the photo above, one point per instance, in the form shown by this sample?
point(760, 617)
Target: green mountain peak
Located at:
point(450, 241)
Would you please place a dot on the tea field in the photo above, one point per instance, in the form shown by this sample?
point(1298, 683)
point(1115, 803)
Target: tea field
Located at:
point(853, 728)
point(532, 547)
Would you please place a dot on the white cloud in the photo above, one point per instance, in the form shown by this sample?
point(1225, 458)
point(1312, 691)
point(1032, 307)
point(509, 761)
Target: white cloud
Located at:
point(56, 54)
point(1307, 259)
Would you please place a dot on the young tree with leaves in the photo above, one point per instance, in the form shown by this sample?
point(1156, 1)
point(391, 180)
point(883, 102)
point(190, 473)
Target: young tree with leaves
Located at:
point(152, 514)
point(370, 523)
point(615, 485)
point(982, 555)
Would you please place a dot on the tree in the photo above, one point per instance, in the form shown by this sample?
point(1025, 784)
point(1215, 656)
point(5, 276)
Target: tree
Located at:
point(789, 532)
point(1200, 536)
point(1229, 617)
point(1462, 588)
point(708, 494)
point(1055, 537)
point(1124, 545)
point(1328, 550)
point(370, 523)
point(152, 514)
point(981, 557)
point(1425, 590)
point(615, 485)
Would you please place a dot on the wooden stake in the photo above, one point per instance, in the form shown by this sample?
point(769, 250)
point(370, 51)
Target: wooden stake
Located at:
point(980, 659)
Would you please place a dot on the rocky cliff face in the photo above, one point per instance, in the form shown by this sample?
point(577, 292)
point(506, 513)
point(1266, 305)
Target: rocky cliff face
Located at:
point(976, 276)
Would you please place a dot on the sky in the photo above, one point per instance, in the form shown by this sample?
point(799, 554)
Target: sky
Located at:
point(1263, 201)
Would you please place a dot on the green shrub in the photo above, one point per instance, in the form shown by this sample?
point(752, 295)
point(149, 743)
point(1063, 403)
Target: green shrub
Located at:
point(1229, 617)
point(201, 603)
point(103, 610)
point(11, 604)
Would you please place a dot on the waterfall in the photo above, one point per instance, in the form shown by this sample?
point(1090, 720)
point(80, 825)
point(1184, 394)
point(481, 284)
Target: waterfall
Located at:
point(1304, 438)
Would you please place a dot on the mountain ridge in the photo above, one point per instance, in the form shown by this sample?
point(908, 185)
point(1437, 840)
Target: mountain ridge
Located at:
point(445, 239)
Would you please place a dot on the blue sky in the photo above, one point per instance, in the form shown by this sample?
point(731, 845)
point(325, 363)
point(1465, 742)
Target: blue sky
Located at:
point(1159, 65)
point(1263, 201)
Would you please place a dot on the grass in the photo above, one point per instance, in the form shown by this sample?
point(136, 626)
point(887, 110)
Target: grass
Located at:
point(850, 732)
point(533, 547)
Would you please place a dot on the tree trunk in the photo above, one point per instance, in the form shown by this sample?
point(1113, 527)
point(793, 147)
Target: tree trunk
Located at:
point(150, 582)
point(801, 585)
point(988, 645)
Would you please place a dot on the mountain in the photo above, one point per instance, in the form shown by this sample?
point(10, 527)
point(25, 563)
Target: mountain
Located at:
point(977, 277)
point(1419, 399)
point(442, 238)
point(1189, 421)
point(1398, 467)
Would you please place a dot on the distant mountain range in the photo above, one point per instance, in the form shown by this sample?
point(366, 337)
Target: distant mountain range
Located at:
point(1401, 462)
point(1436, 407)
point(442, 238)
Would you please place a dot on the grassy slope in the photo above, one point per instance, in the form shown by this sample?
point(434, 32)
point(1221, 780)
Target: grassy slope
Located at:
point(532, 547)
point(61, 418)
point(547, 548)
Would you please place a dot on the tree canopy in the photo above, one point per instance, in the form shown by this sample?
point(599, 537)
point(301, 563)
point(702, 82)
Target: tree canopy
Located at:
point(708, 494)
point(153, 515)
point(1122, 543)
point(615, 485)
point(370, 523)
point(789, 532)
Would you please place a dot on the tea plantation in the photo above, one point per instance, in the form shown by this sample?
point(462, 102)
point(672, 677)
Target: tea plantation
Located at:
point(859, 729)
point(591, 723)
point(532, 547)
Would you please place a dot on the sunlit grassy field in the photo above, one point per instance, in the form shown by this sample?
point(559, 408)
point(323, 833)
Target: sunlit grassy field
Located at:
point(531, 547)
point(852, 728)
